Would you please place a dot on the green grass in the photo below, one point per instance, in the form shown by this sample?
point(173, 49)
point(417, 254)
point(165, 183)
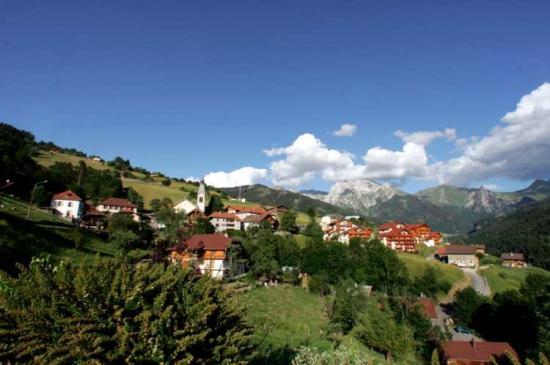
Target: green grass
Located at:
point(150, 190)
point(43, 233)
point(502, 278)
point(416, 265)
point(46, 159)
point(286, 317)
point(426, 251)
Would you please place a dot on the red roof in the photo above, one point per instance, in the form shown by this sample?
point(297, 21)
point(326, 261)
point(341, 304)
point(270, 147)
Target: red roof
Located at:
point(475, 351)
point(118, 202)
point(223, 215)
point(246, 209)
point(256, 218)
point(441, 251)
point(66, 195)
point(460, 250)
point(514, 256)
point(211, 242)
point(428, 307)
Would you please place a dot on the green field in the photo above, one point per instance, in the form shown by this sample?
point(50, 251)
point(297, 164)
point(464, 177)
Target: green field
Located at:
point(285, 318)
point(502, 278)
point(150, 190)
point(46, 159)
point(417, 264)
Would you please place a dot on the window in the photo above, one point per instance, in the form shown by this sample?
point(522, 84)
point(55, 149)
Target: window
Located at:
point(69, 204)
point(59, 203)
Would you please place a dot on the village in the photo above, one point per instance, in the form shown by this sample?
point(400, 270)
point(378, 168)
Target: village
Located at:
point(208, 254)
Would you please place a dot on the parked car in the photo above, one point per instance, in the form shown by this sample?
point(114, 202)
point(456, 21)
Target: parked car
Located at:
point(463, 330)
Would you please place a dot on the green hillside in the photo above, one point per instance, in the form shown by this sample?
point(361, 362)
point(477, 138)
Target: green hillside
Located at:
point(527, 230)
point(268, 196)
point(502, 278)
point(44, 234)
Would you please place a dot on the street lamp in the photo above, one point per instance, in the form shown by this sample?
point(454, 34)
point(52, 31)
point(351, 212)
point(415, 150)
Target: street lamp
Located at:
point(32, 195)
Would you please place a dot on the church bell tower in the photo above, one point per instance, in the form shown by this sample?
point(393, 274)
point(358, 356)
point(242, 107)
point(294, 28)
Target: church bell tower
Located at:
point(201, 197)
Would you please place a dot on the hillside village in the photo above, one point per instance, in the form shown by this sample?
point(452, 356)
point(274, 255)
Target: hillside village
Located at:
point(256, 250)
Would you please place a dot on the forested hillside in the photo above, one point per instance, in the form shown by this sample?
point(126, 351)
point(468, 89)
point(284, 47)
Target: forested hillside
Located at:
point(268, 196)
point(526, 230)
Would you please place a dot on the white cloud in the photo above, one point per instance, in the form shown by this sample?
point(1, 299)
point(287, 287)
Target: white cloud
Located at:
point(519, 149)
point(492, 187)
point(426, 137)
point(346, 130)
point(243, 176)
point(307, 156)
point(384, 164)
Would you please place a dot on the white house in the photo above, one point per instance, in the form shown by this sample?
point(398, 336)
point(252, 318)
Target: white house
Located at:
point(119, 205)
point(185, 206)
point(68, 205)
point(225, 221)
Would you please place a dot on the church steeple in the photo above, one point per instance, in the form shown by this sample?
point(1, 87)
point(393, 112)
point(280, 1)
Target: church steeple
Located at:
point(201, 197)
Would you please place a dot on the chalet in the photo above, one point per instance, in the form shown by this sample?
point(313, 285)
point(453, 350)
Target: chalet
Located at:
point(343, 230)
point(395, 236)
point(93, 219)
point(513, 259)
point(118, 205)
point(475, 352)
point(480, 249)
point(225, 221)
point(257, 220)
point(207, 253)
point(461, 256)
point(67, 205)
point(243, 211)
point(276, 211)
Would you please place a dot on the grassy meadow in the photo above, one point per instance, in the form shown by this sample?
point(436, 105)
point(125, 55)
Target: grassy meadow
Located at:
point(502, 278)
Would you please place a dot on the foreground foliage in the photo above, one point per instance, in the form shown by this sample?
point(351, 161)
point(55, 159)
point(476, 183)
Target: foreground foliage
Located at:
point(111, 311)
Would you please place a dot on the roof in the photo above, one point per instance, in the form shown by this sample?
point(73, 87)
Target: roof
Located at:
point(440, 251)
point(256, 218)
point(246, 209)
point(475, 351)
point(512, 256)
point(428, 307)
point(66, 195)
point(212, 242)
point(460, 250)
point(223, 215)
point(118, 202)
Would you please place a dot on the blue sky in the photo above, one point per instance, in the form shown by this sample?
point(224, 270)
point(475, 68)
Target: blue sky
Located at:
point(194, 87)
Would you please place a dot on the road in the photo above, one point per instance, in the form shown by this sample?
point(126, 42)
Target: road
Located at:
point(479, 283)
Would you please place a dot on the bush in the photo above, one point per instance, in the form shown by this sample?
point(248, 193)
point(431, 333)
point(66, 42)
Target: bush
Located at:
point(110, 311)
point(319, 284)
point(166, 182)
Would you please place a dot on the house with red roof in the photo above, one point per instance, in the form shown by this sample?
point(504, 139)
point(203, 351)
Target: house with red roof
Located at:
point(475, 352)
point(223, 221)
point(342, 230)
point(461, 256)
point(118, 205)
point(67, 205)
point(243, 211)
point(206, 253)
point(256, 220)
point(396, 236)
point(513, 259)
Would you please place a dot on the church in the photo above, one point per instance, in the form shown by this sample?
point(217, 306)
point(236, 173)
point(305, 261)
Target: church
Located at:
point(193, 209)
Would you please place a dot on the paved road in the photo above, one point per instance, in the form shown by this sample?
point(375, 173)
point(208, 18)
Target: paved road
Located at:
point(479, 283)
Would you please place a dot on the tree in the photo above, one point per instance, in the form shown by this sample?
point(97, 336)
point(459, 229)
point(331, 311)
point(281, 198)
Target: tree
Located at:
point(288, 222)
point(110, 311)
point(123, 231)
point(135, 198)
point(430, 283)
point(313, 230)
point(378, 329)
point(203, 226)
point(435, 358)
point(383, 269)
point(166, 182)
point(467, 302)
point(215, 205)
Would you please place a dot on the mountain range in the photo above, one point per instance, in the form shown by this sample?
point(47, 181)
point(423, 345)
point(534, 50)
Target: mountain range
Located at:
point(448, 208)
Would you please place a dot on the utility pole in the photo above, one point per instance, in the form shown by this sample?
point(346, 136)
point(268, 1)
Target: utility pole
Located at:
point(32, 196)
